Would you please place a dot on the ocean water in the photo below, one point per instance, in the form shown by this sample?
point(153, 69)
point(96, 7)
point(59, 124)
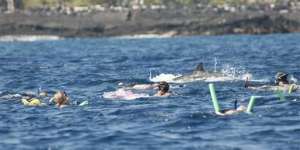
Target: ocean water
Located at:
point(86, 68)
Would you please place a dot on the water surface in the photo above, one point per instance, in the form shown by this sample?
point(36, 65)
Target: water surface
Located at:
point(86, 68)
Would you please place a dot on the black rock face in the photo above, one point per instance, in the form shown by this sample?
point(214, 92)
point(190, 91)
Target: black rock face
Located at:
point(172, 22)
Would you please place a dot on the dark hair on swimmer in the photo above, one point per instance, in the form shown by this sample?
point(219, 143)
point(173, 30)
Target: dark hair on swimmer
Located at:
point(281, 77)
point(163, 86)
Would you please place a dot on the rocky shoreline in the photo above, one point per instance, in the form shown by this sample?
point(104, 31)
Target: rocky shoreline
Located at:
point(153, 22)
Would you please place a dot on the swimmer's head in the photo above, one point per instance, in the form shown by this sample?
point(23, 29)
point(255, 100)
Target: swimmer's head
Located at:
point(281, 78)
point(163, 87)
point(61, 98)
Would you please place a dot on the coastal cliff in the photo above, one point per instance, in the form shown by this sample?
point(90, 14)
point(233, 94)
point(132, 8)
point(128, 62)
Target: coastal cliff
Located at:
point(118, 21)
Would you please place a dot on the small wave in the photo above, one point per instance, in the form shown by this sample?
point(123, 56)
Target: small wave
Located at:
point(217, 79)
point(10, 96)
point(145, 36)
point(28, 38)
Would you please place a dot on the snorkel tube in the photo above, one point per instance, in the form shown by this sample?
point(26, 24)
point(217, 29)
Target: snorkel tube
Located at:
point(251, 104)
point(150, 74)
point(214, 98)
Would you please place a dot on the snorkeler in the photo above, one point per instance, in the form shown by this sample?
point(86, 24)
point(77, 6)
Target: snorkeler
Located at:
point(163, 89)
point(30, 101)
point(61, 99)
point(33, 99)
point(281, 83)
point(236, 110)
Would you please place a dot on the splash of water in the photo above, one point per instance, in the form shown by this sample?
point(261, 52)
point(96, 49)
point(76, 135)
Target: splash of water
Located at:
point(215, 67)
point(28, 38)
point(293, 79)
point(164, 77)
point(232, 71)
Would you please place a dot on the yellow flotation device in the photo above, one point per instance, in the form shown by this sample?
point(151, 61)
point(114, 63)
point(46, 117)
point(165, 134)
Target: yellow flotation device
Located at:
point(31, 102)
point(292, 88)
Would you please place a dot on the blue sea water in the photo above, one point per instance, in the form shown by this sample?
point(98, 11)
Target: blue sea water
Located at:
point(86, 68)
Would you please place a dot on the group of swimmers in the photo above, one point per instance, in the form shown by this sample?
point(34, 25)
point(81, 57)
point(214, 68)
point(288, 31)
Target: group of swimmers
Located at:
point(61, 99)
point(281, 84)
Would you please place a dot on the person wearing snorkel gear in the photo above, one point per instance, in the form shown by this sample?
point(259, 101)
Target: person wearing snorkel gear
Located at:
point(163, 89)
point(60, 99)
point(281, 83)
point(32, 99)
point(236, 110)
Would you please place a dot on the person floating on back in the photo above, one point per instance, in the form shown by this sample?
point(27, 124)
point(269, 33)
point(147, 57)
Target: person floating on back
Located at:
point(236, 110)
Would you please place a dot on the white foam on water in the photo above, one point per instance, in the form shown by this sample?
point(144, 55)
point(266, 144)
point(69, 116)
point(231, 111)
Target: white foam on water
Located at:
point(234, 72)
point(28, 38)
point(10, 96)
point(144, 36)
point(164, 77)
point(218, 79)
point(228, 73)
point(293, 79)
point(251, 78)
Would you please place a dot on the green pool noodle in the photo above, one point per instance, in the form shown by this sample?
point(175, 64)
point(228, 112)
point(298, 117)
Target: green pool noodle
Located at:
point(251, 104)
point(214, 97)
